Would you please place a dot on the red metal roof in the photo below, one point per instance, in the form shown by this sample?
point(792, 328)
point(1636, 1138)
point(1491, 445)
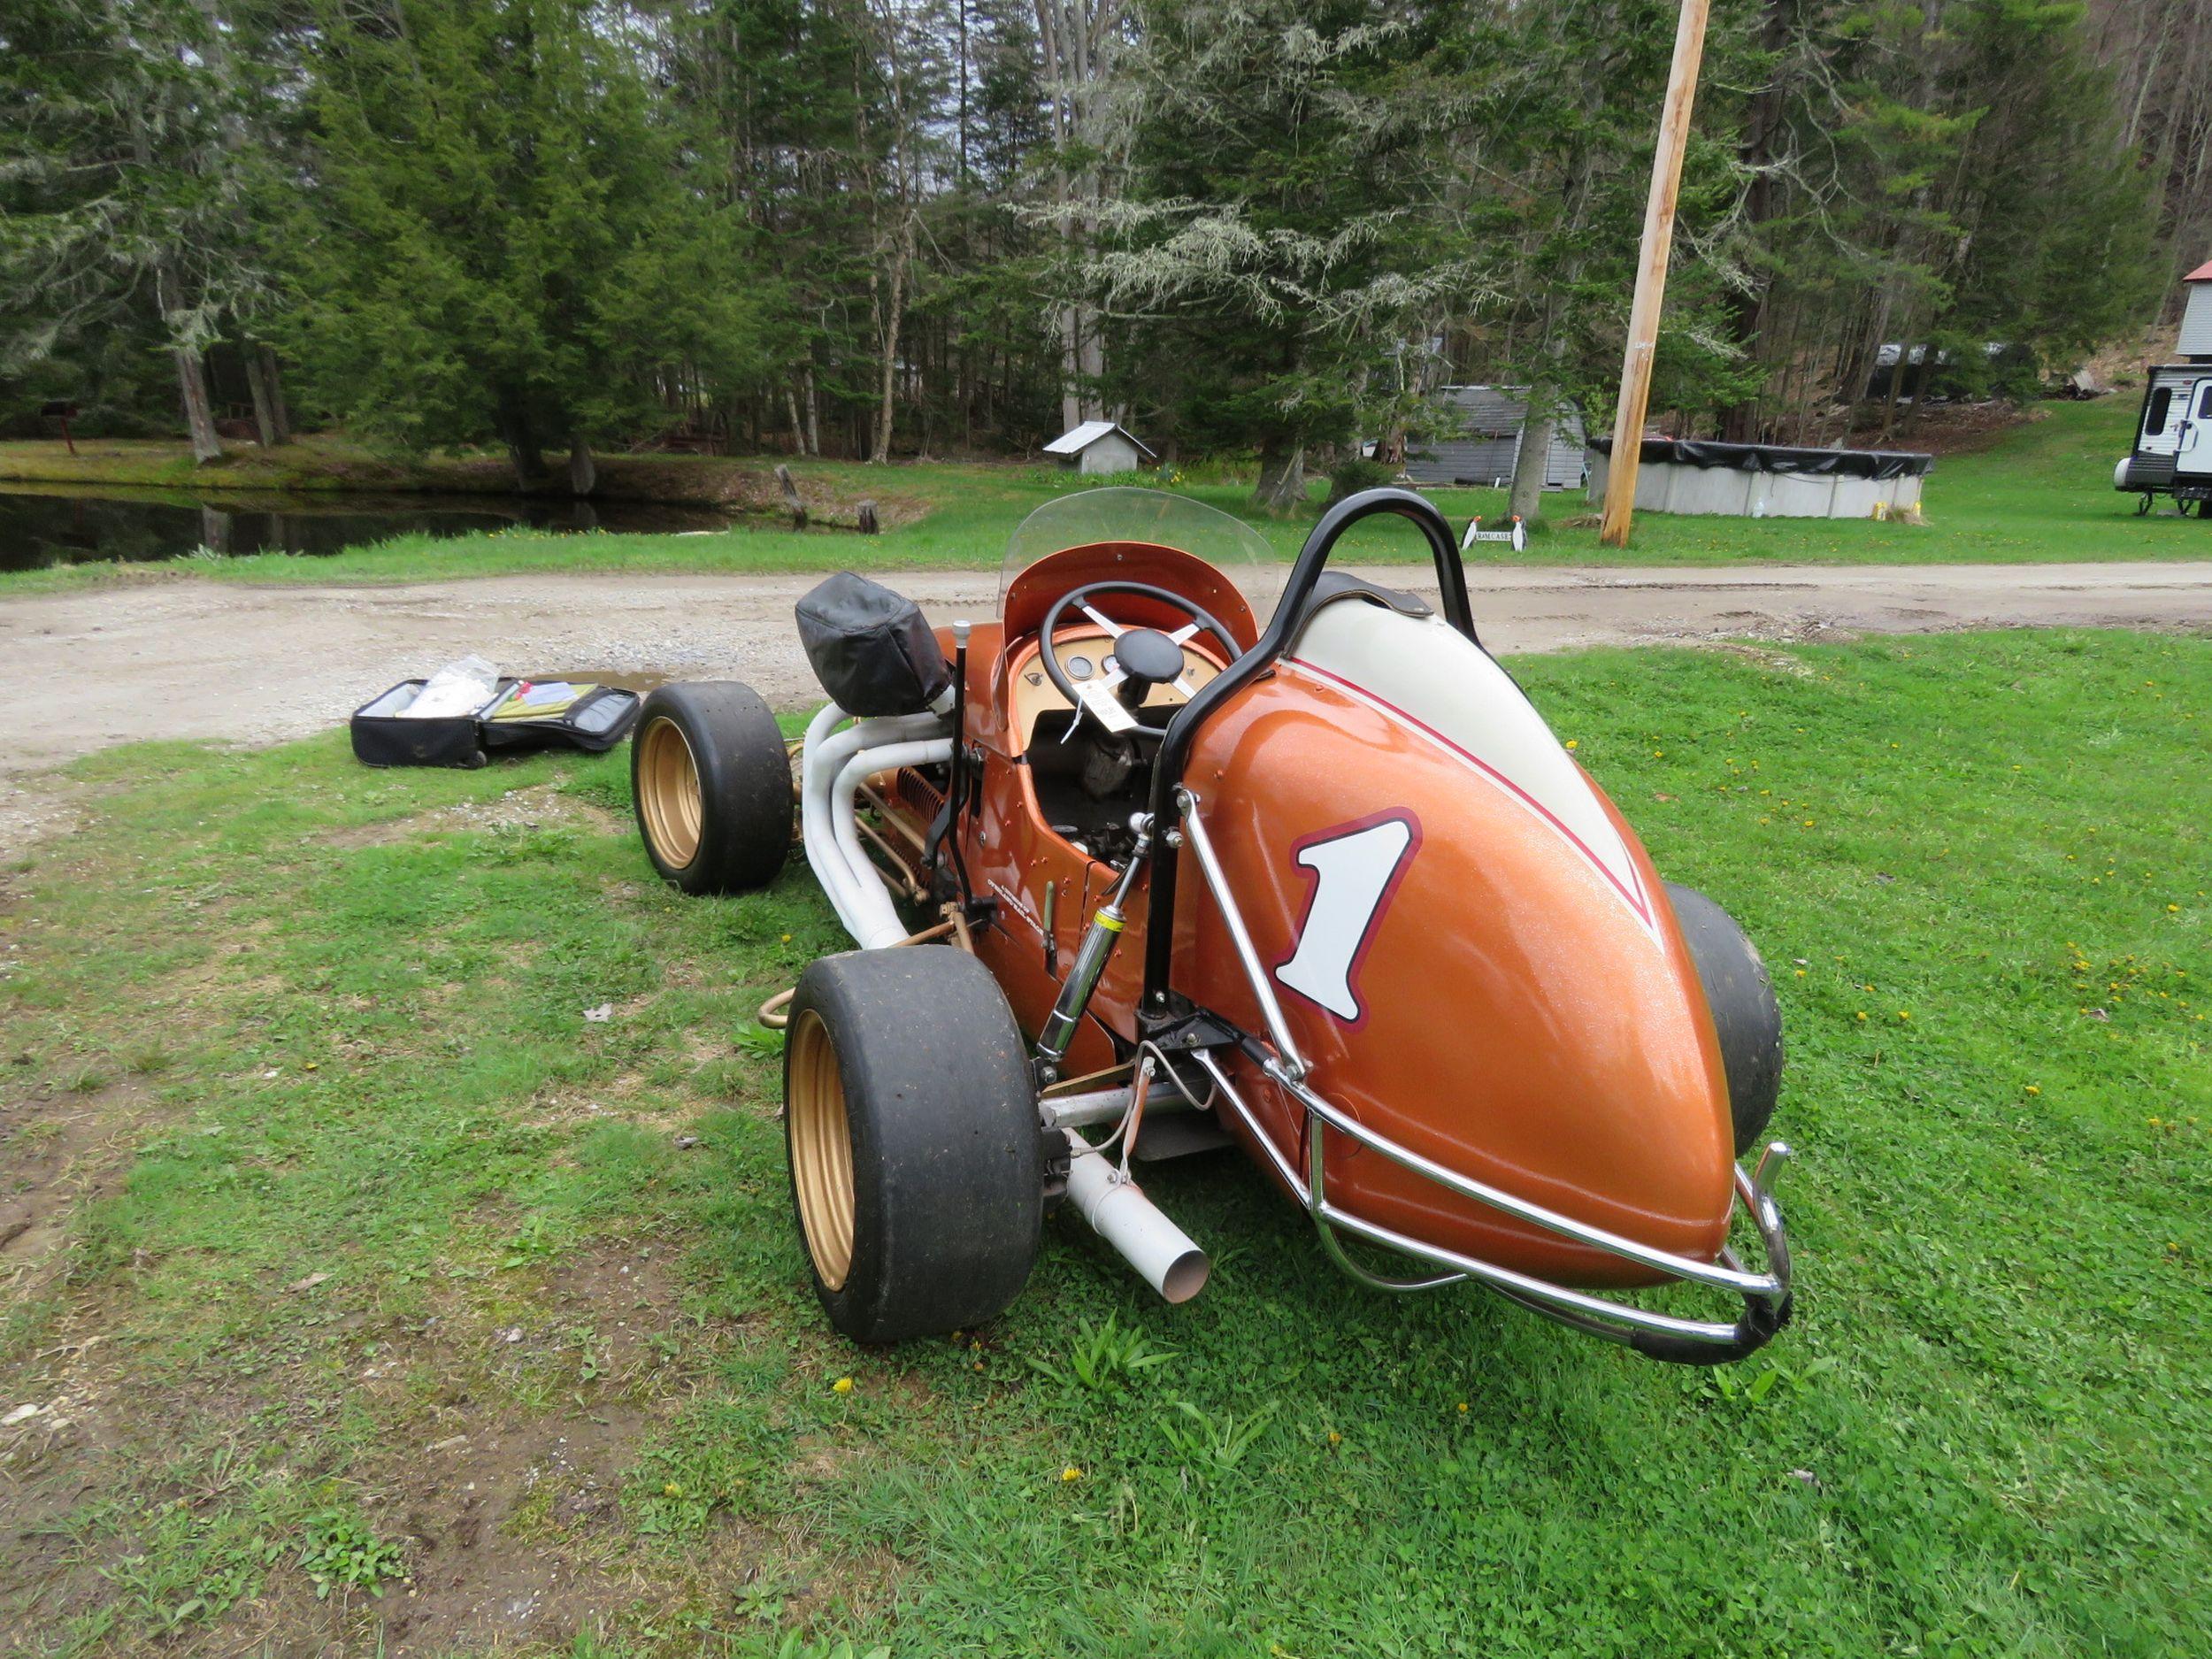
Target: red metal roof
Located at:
point(2202, 273)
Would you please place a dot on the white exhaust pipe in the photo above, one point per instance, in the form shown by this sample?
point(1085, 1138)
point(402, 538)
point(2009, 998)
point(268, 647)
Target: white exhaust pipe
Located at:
point(871, 917)
point(1160, 1251)
point(846, 875)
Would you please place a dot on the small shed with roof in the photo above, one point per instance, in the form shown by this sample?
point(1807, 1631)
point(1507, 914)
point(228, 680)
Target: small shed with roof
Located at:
point(1099, 446)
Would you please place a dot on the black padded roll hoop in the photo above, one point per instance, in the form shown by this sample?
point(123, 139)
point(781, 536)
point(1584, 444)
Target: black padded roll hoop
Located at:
point(871, 648)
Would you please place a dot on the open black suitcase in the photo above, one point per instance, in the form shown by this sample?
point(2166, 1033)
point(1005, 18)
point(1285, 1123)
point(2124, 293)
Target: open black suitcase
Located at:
point(384, 736)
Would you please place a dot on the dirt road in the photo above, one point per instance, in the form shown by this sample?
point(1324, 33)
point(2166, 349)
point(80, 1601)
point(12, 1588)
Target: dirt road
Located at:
point(222, 660)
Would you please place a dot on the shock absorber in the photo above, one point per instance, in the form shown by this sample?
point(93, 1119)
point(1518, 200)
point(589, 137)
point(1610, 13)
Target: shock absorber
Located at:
point(1091, 956)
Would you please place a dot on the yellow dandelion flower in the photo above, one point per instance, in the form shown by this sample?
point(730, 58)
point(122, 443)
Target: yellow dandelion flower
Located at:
point(1862, 1014)
point(1070, 1473)
point(1462, 1405)
point(2032, 1089)
point(842, 1386)
point(1904, 1013)
point(1572, 743)
point(1335, 1438)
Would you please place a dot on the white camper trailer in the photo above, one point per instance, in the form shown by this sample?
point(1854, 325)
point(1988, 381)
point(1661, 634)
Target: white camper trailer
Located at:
point(2173, 439)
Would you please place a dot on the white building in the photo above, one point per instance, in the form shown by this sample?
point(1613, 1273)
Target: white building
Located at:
point(1098, 447)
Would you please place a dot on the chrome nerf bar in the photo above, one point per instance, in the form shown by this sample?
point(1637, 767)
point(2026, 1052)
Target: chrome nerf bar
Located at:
point(1664, 1336)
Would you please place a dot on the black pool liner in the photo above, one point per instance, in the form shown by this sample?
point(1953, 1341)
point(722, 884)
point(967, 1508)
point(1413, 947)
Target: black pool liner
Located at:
point(1781, 457)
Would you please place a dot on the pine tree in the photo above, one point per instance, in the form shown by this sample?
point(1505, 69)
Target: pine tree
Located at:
point(869, 226)
point(1268, 254)
point(122, 225)
point(505, 236)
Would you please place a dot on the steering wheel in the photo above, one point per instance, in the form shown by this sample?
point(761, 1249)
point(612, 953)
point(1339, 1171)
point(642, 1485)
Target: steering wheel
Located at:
point(1143, 658)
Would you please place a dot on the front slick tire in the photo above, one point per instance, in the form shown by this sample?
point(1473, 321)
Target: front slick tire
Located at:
point(1745, 1015)
point(916, 1158)
point(712, 783)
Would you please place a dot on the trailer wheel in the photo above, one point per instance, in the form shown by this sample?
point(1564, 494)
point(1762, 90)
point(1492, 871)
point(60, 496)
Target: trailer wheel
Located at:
point(1744, 1012)
point(713, 786)
point(916, 1152)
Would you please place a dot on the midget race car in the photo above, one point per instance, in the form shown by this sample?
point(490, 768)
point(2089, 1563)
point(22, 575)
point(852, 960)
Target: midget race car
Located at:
point(1158, 860)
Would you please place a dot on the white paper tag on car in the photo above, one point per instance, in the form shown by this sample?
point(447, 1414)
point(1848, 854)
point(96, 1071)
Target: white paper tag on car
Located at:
point(1102, 702)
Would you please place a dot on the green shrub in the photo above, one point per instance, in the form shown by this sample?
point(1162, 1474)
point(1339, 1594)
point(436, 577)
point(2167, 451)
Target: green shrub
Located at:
point(1354, 474)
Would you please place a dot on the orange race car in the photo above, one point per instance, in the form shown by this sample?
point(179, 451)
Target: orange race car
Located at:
point(1147, 865)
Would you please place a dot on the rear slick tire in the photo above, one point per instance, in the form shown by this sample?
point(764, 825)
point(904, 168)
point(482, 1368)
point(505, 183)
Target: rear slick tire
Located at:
point(916, 1153)
point(712, 783)
point(1746, 1015)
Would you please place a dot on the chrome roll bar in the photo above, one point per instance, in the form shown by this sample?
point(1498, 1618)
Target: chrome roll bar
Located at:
point(1766, 1295)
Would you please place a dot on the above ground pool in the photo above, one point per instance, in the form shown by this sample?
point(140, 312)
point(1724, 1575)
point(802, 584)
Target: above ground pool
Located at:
point(1766, 481)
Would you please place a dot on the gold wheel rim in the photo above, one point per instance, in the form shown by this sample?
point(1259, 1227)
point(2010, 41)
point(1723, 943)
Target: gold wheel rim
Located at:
point(821, 1150)
point(668, 793)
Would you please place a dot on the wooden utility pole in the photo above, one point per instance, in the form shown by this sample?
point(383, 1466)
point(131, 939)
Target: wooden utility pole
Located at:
point(1651, 273)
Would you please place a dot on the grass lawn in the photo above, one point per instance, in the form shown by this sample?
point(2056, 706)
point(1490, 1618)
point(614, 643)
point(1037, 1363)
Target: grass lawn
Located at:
point(2040, 492)
point(360, 1257)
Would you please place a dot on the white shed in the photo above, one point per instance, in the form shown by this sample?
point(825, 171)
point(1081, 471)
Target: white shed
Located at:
point(1098, 447)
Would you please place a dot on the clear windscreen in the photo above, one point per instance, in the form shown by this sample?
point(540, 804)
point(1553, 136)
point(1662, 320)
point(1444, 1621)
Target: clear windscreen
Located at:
point(1155, 516)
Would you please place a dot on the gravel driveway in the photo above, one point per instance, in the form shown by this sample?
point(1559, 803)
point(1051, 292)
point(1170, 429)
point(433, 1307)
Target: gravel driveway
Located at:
point(244, 663)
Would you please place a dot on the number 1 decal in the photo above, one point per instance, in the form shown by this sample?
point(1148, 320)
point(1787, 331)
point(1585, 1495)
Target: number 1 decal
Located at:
point(1356, 868)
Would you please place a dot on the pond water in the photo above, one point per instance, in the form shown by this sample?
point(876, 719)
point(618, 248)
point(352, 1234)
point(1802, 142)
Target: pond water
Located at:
point(39, 527)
